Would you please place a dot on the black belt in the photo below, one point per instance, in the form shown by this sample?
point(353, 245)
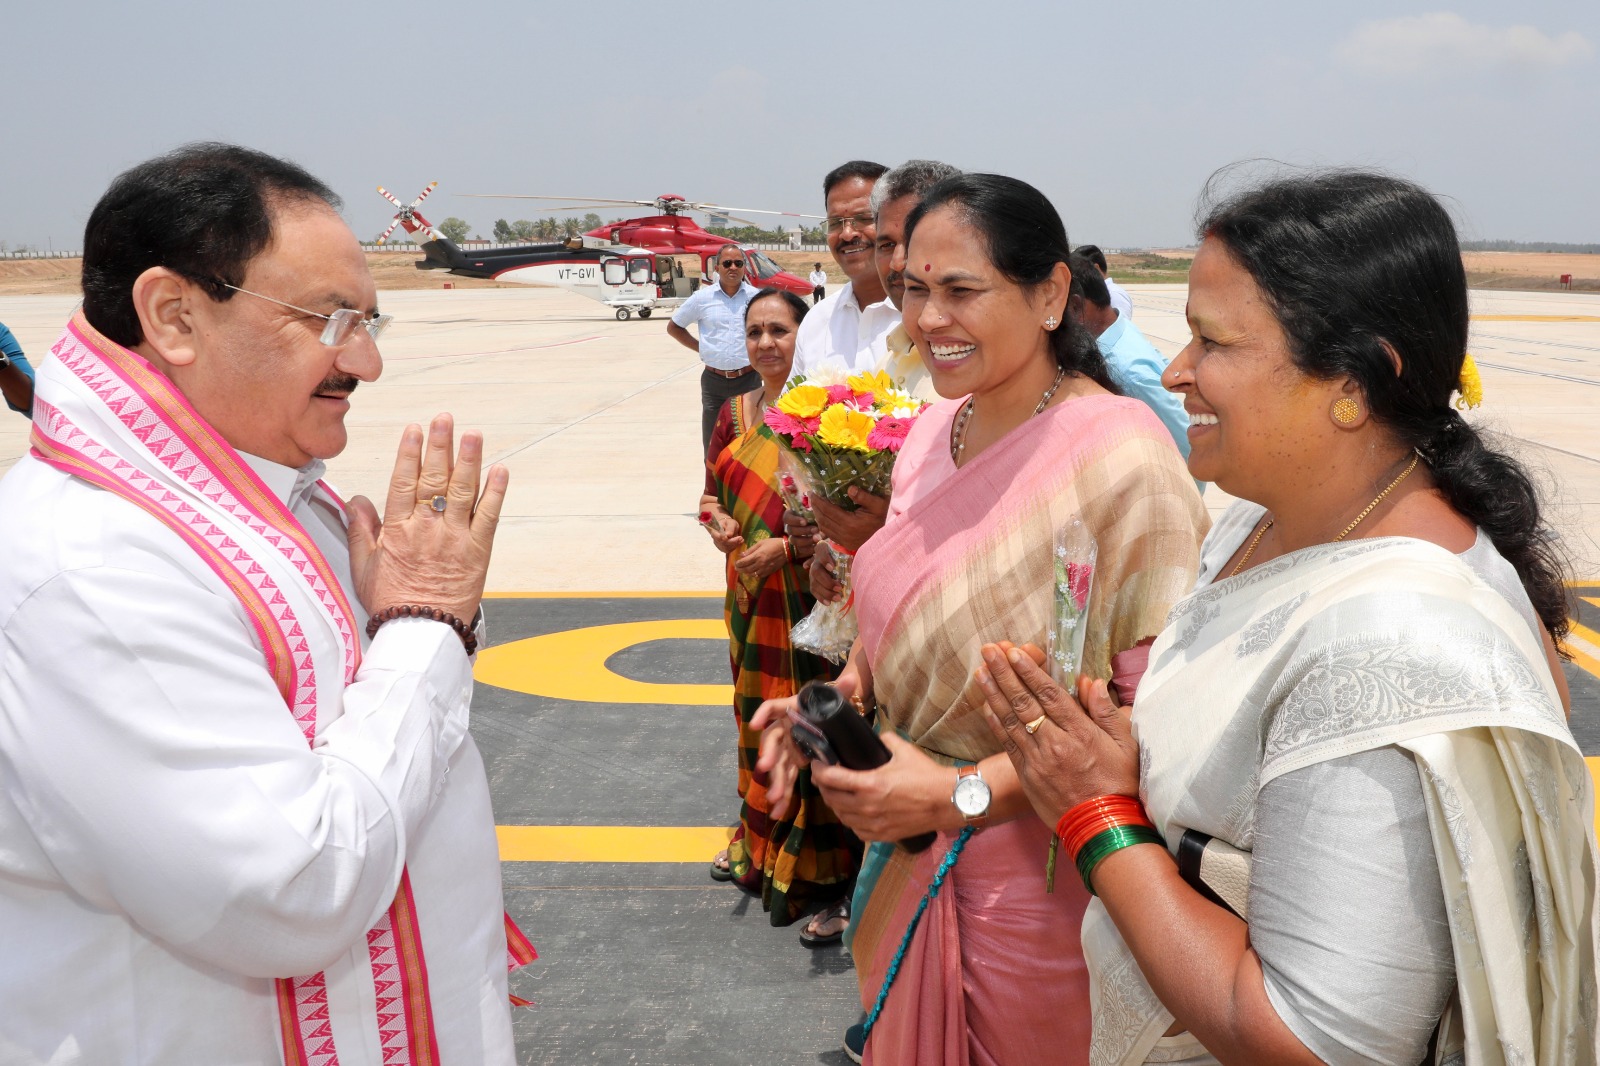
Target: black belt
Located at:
point(730, 373)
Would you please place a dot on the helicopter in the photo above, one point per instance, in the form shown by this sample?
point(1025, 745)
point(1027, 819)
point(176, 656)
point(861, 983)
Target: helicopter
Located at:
point(627, 279)
point(601, 264)
point(671, 232)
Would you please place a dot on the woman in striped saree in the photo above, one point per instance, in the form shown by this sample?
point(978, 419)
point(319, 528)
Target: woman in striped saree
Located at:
point(793, 862)
point(1350, 735)
point(1031, 437)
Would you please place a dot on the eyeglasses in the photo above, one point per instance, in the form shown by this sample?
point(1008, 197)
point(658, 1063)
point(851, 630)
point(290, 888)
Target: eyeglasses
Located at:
point(856, 222)
point(733, 263)
point(340, 325)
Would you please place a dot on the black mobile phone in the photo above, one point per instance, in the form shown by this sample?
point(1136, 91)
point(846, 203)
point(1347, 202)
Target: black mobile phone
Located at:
point(828, 729)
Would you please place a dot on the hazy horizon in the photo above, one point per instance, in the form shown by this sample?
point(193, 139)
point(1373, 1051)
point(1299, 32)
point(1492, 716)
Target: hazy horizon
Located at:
point(1119, 116)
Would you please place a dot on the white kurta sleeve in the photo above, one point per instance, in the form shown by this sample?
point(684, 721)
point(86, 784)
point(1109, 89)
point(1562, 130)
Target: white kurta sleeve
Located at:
point(164, 778)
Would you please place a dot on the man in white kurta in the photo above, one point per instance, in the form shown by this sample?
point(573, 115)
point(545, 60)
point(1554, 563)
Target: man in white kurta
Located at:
point(175, 857)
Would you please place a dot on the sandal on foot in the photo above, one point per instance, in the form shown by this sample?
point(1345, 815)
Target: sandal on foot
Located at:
point(720, 871)
point(835, 913)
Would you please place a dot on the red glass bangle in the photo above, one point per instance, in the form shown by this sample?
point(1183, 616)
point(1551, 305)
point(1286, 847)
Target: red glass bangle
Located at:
point(1094, 816)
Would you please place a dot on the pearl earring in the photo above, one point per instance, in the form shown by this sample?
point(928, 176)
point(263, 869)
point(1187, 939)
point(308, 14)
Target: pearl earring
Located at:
point(1050, 323)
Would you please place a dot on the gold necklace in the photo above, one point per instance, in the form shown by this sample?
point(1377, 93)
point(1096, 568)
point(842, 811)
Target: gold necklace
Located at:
point(958, 436)
point(1245, 558)
point(1379, 498)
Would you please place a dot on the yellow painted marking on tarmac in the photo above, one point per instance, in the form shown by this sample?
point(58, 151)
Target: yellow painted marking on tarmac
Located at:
point(1592, 600)
point(611, 843)
point(1583, 644)
point(698, 594)
point(571, 664)
point(1536, 318)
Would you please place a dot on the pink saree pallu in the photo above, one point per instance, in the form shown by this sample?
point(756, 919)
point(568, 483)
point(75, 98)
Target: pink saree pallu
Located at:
point(123, 427)
point(994, 974)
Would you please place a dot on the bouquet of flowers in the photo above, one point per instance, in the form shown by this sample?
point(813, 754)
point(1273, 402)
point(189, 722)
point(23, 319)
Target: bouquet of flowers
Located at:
point(1072, 565)
point(839, 430)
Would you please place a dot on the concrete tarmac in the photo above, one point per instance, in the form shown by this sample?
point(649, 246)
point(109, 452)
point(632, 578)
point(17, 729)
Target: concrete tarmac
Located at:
point(603, 703)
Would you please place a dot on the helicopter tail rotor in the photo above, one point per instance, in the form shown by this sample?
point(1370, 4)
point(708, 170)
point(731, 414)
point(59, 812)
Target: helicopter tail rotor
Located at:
point(408, 215)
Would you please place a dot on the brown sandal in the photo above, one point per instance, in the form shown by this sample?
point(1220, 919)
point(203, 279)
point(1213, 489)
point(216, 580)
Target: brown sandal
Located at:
point(835, 912)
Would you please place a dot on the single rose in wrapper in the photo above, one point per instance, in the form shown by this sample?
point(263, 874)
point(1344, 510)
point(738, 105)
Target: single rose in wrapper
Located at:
point(1072, 561)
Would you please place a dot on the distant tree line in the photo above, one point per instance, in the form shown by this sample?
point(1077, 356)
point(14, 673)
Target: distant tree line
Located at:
point(1528, 246)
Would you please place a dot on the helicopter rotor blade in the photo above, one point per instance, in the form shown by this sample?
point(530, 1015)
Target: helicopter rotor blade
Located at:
point(424, 194)
point(721, 210)
point(385, 234)
point(387, 195)
point(742, 221)
point(590, 201)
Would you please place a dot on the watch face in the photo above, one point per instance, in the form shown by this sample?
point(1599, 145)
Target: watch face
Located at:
point(972, 796)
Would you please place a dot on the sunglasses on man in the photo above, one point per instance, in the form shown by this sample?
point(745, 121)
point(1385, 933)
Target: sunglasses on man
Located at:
point(733, 263)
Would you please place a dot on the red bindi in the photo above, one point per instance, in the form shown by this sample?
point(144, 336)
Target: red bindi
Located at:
point(926, 267)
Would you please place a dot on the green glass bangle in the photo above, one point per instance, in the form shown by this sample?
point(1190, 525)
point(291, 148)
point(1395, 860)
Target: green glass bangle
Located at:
point(1114, 839)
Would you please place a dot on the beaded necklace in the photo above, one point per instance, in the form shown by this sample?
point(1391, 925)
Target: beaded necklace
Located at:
point(958, 436)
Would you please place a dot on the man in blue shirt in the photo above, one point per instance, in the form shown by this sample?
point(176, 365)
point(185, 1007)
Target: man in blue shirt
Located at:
point(1134, 362)
point(16, 376)
point(719, 311)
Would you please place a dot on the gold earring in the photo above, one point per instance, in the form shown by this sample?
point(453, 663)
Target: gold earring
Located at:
point(1346, 411)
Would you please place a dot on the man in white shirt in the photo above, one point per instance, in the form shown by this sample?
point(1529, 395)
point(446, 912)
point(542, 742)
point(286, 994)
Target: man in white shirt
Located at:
point(847, 329)
point(718, 310)
point(819, 283)
point(1120, 300)
point(241, 817)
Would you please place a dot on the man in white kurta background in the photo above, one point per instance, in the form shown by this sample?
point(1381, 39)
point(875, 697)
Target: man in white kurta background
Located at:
point(201, 862)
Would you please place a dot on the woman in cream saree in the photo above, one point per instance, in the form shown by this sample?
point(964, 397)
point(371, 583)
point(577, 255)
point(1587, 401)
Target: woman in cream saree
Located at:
point(1379, 837)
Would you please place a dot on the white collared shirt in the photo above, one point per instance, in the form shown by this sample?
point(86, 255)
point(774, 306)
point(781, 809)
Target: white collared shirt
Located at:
point(840, 332)
point(169, 843)
point(720, 318)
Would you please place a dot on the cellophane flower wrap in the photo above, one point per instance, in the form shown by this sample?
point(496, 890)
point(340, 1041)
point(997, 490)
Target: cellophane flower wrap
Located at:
point(839, 430)
point(1072, 566)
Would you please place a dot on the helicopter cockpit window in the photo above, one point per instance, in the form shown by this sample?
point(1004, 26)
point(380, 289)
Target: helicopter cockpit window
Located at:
point(614, 271)
point(639, 271)
point(762, 266)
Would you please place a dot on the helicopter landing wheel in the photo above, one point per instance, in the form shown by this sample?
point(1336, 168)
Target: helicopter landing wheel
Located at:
point(644, 312)
point(622, 314)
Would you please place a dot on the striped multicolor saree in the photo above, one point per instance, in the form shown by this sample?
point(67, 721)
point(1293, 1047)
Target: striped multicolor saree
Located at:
point(811, 857)
point(965, 559)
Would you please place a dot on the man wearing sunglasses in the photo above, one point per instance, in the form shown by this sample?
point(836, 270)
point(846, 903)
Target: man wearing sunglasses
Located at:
point(719, 312)
point(238, 796)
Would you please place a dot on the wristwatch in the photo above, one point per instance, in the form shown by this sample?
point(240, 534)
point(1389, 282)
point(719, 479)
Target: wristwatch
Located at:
point(971, 795)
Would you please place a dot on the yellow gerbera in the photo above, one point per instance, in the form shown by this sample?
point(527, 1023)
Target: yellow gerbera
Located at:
point(803, 401)
point(873, 381)
point(1470, 386)
point(842, 427)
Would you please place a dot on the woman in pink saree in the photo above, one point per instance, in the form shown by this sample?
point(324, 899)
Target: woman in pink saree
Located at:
point(1030, 436)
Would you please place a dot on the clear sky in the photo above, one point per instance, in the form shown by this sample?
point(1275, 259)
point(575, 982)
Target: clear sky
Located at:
point(1118, 111)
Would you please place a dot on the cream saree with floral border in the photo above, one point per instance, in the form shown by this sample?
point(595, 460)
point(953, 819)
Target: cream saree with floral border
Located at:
point(1340, 649)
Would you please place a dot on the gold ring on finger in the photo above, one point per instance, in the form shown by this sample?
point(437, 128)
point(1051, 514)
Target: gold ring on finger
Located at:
point(437, 503)
point(1033, 726)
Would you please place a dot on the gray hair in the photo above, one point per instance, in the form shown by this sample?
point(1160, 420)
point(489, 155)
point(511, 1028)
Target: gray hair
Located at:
point(914, 177)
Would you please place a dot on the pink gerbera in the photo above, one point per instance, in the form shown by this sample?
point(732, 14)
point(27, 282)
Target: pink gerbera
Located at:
point(889, 434)
point(787, 424)
point(840, 394)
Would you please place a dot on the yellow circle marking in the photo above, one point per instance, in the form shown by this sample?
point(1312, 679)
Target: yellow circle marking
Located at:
point(571, 664)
